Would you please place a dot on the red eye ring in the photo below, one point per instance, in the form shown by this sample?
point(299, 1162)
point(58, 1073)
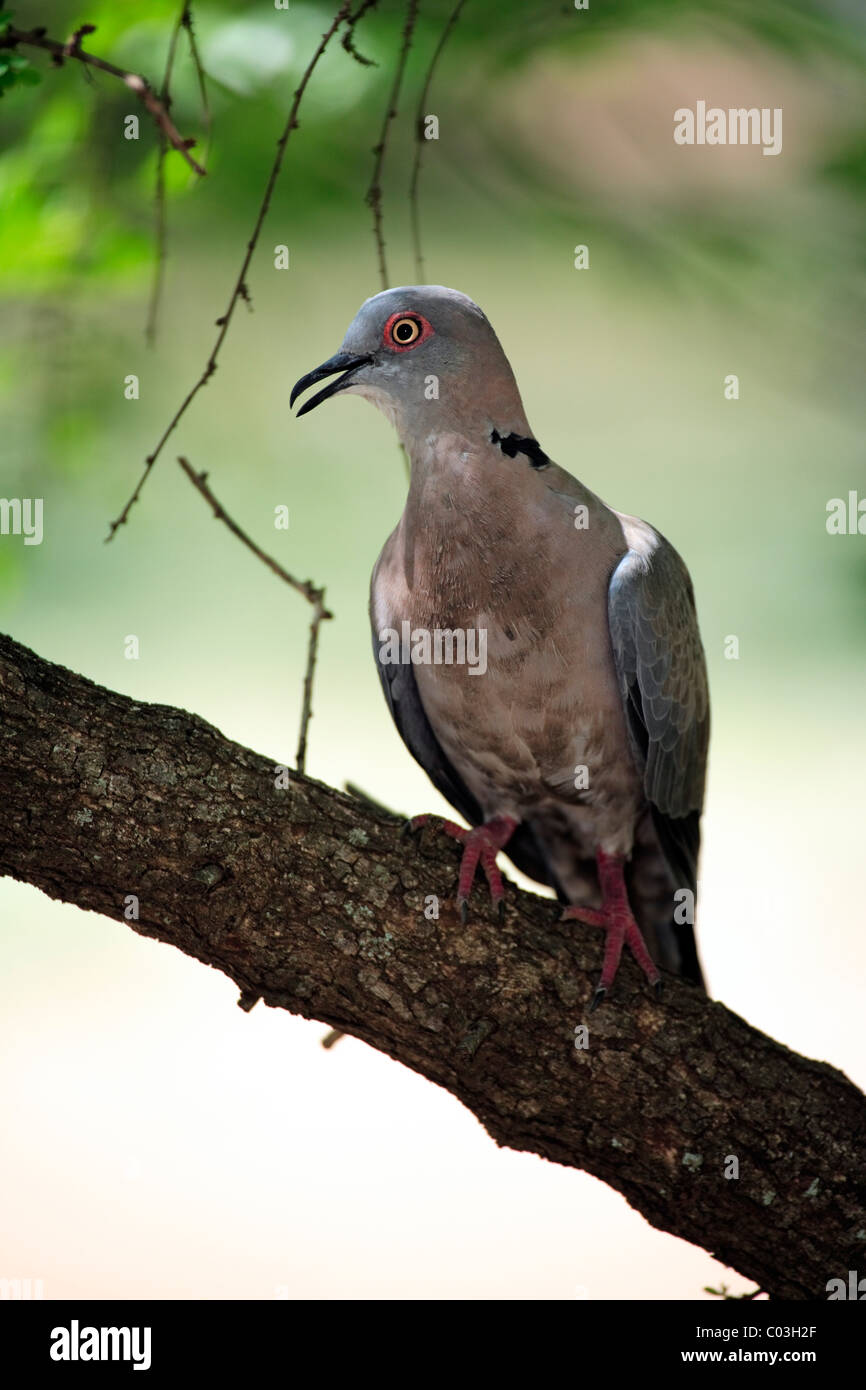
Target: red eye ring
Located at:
point(424, 330)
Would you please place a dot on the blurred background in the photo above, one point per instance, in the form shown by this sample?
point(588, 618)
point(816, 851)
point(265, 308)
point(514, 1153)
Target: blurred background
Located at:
point(157, 1141)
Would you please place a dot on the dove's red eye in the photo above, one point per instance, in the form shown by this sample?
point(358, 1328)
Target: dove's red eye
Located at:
point(405, 330)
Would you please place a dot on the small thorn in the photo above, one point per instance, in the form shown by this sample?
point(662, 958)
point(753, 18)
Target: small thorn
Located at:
point(500, 909)
point(658, 987)
point(597, 998)
point(464, 910)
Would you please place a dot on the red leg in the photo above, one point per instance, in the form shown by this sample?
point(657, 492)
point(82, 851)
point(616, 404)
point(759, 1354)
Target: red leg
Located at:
point(617, 918)
point(480, 845)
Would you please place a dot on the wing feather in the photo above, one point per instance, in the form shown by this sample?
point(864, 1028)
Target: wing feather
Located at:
point(663, 681)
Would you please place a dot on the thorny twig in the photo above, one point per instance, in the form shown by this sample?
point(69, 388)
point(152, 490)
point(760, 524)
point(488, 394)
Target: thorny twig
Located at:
point(420, 141)
point(186, 21)
point(36, 38)
point(348, 39)
point(240, 290)
point(304, 587)
point(354, 790)
point(723, 1292)
point(159, 193)
point(374, 192)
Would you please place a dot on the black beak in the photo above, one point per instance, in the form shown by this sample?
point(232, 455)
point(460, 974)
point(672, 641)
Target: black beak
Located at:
point(343, 362)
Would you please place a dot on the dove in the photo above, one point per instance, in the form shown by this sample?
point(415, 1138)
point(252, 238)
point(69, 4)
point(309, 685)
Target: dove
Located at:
point(580, 749)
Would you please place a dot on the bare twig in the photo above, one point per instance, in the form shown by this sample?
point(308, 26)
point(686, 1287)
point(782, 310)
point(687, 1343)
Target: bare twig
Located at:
point(354, 790)
point(304, 587)
point(186, 21)
point(374, 192)
point(159, 192)
point(35, 38)
point(349, 36)
point(420, 140)
point(319, 614)
point(240, 290)
point(72, 46)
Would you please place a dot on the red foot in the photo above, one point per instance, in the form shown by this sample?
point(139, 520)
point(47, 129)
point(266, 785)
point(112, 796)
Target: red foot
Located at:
point(616, 916)
point(480, 845)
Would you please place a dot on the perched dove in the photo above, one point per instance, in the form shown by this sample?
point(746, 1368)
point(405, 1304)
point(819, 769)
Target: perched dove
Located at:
point(578, 744)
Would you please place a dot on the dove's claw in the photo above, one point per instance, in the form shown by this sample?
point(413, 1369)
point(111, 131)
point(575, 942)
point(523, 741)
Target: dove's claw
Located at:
point(597, 997)
point(616, 916)
point(480, 846)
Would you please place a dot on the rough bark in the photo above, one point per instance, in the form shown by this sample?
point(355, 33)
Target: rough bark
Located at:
point(311, 900)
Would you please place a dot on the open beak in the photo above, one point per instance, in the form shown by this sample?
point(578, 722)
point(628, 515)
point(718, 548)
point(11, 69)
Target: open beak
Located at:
point(343, 362)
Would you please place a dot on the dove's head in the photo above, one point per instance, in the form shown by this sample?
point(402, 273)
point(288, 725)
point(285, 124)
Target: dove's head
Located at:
point(428, 358)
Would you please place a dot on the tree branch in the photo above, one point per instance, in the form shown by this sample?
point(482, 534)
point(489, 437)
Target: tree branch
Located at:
point(160, 227)
point(36, 38)
point(240, 290)
point(305, 587)
point(348, 39)
point(201, 76)
point(311, 900)
point(374, 192)
point(420, 140)
point(183, 21)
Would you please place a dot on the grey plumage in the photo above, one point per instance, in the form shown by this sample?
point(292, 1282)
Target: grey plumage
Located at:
point(660, 663)
point(593, 655)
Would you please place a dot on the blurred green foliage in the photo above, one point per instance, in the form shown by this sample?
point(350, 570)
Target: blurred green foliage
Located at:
point(782, 255)
point(15, 69)
point(59, 151)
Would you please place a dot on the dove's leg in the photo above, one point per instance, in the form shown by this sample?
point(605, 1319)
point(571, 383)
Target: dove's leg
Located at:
point(617, 918)
point(480, 846)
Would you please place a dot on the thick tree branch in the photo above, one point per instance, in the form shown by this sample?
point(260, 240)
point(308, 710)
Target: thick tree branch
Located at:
point(311, 900)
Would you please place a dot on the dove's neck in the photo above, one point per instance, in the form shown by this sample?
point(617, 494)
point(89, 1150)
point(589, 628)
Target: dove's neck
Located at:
point(462, 408)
